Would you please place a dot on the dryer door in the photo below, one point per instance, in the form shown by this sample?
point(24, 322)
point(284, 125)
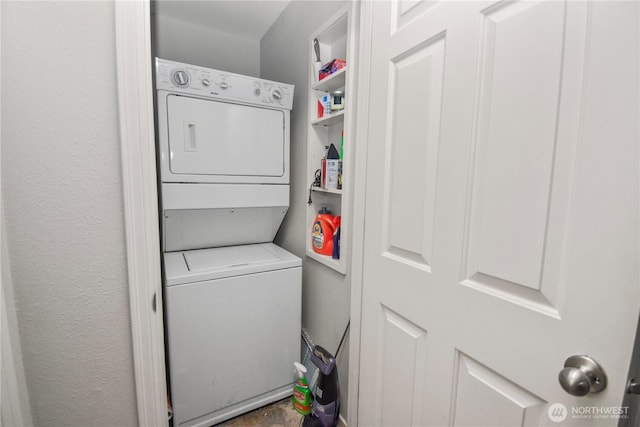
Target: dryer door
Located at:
point(224, 142)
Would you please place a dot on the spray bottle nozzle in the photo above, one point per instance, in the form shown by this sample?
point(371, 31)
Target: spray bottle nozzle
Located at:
point(300, 369)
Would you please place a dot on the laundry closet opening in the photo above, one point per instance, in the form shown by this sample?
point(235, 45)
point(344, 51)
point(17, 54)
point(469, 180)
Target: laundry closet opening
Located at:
point(239, 138)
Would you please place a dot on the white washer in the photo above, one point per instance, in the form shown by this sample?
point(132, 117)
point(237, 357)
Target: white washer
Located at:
point(232, 298)
point(233, 317)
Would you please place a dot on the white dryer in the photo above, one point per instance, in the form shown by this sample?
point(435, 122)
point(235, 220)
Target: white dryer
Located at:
point(232, 298)
point(223, 143)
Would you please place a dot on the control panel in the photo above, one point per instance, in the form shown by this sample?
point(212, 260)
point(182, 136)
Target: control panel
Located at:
point(207, 82)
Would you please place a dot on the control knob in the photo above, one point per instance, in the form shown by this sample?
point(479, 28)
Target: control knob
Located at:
point(256, 89)
point(276, 94)
point(180, 78)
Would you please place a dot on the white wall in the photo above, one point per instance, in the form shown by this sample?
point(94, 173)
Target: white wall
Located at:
point(192, 44)
point(284, 56)
point(64, 215)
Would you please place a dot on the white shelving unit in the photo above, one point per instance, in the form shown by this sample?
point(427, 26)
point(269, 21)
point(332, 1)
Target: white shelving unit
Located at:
point(332, 82)
point(330, 119)
point(327, 190)
point(336, 42)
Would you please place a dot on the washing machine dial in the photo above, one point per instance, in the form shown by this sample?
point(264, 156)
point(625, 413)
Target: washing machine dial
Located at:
point(206, 82)
point(256, 89)
point(224, 85)
point(276, 94)
point(180, 78)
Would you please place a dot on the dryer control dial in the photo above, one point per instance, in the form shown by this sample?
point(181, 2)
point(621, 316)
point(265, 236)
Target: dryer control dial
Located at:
point(276, 94)
point(180, 78)
point(257, 90)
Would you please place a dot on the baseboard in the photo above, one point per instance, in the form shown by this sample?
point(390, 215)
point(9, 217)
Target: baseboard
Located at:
point(342, 422)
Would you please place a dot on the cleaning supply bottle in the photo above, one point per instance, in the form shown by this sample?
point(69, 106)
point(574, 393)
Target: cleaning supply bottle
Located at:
point(301, 393)
point(322, 232)
point(336, 238)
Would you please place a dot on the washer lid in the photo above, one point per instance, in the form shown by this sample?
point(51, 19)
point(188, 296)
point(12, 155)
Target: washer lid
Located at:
point(217, 263)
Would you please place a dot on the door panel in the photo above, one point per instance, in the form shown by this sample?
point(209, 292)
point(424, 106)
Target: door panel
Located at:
point(516, 138)
point(525, 136)
point(404, 346)
point(413, 150)
point(484, 397)
point(501, 211)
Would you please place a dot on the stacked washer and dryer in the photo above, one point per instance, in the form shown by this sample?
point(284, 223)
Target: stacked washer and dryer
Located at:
point(232, 297)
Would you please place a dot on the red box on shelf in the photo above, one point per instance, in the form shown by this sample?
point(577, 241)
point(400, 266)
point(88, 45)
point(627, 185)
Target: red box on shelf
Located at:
point(331, 67)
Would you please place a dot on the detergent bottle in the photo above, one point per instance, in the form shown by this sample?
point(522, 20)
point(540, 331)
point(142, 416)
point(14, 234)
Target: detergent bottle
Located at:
point(301, 393)
point(322, 232)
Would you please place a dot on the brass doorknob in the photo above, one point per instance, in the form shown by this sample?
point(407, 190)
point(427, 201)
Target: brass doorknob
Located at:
point(582, 375)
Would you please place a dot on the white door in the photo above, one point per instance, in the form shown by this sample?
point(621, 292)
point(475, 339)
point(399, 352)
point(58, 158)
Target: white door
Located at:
point(501, 212)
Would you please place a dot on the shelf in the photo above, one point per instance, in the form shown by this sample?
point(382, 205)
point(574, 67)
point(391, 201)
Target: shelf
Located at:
point(333, 82)
point(331, 119)
point(328, 261)
point(334, 41)
point(327, 190)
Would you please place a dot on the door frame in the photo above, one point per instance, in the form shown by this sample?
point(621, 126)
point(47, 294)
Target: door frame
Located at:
point(16, 406)
point(140, 199)
point(365, 27)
